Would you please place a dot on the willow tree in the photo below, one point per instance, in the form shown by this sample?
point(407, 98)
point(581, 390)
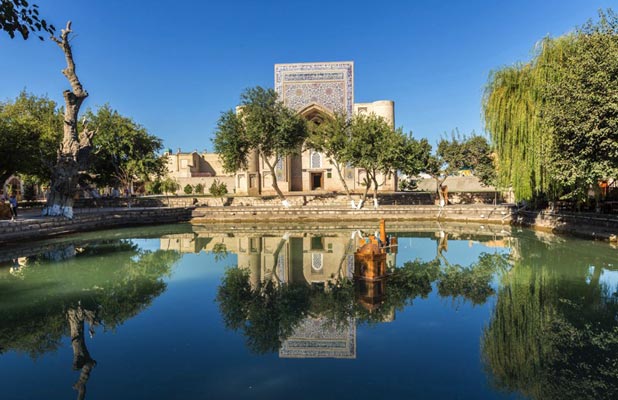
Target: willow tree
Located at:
point(511, 110)
point(74, 151)
point(553, 120)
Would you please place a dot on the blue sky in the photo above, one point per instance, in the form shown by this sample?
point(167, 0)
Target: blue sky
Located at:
point(175, 66)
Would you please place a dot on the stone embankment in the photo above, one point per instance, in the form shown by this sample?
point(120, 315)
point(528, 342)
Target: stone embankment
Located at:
point(500, 214)
point(586, 225)
point(35, 227)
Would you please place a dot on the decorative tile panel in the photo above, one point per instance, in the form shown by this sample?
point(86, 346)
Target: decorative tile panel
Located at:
point(330, 85)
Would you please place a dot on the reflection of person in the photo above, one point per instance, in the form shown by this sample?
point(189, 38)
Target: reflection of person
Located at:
point(13, 204)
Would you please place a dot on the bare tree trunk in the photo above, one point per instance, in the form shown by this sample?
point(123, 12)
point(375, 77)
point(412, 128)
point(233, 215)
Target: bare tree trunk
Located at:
point(343, 182)
point(375, 190)
point(271, 168)
point(367, 183)
point(75, 148)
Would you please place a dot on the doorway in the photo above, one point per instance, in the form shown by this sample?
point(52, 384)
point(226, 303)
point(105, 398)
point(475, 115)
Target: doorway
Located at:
point(317, 180)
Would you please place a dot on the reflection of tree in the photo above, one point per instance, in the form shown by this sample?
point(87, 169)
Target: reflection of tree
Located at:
point(268, 314)
point(554, 333)
point(103, 283)
point(472, 283)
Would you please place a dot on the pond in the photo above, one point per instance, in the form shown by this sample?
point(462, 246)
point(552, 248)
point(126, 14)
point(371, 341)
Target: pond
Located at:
point(277, 312)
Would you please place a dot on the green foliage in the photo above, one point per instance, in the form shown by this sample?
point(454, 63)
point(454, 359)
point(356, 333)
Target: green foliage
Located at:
point(21, 17)
point(266, 315)
point(375, 147)
point(217, 189)
point(461, 152)
point(154, 187)
point(188, 189)
point(332, 138)
point(169, 185)
point(124, 151)
point(113, 278)
point(553, 121)
point(199, 188)
point(263, 125)
point(28, 188)
point(30, 131)
point(582, 107)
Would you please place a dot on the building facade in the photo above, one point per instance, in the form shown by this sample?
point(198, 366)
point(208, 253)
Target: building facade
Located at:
point(315, 91)
point(197, 168)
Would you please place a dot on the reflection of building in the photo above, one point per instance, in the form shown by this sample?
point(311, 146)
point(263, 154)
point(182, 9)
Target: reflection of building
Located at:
point(294, 258)
point(317, 338)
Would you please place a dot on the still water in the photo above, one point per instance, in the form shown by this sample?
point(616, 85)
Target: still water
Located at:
point(278, 312)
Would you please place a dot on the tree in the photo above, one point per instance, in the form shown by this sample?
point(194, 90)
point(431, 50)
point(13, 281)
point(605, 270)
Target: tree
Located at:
point(124, 151)
point(375, 147)
point(218, 189)
point(414, 156)
point(582, 108)
point(74, 151)
point(553, 120)
point(263, 126)
point(154, 186)
point(169, 185)
point(460, 152)
point(30, 129)
point(332, 138)
point(199, 188)
point(19, 16)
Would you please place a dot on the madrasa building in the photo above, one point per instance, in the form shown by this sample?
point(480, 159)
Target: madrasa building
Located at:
point(315, 91)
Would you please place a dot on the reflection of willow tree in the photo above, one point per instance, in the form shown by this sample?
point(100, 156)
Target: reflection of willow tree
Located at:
point(554, 333)
point(102, 283)
point(267, 315)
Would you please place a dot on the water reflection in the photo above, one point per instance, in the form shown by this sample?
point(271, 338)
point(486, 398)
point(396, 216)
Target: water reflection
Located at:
point(66, 288)
point(554, 331)
point(550, 304)
point(303, 295)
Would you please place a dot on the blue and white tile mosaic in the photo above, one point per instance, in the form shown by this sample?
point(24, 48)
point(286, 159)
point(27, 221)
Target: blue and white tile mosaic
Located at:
point(330, 85)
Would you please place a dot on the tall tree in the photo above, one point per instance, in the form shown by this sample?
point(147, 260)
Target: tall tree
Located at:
point(30, 129)
point(22, 17)
point(375, 147)
point(582, 108)
point(74, 152)
point(553, 120)
point(332, 138)
point(265, 126)
point(124, 151)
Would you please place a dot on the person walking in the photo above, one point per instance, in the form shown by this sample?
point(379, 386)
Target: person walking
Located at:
point(13, 204)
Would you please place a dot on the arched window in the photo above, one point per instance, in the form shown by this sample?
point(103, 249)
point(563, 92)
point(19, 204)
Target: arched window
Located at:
point(316, 160)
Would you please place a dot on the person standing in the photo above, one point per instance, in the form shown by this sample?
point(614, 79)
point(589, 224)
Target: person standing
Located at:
point(13, 204)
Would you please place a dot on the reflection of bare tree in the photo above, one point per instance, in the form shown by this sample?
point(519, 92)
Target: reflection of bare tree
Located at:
point(81, 357)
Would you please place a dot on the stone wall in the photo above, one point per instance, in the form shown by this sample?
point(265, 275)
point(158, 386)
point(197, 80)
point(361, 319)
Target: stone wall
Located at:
point(470, 213)
point(587, 225)
point(37, 228)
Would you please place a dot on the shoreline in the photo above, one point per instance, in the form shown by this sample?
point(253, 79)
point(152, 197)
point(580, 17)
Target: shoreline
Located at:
point(590, 226)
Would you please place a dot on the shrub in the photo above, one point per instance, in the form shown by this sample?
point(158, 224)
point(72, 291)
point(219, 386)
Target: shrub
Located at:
point(199, 188)
point(188, 189)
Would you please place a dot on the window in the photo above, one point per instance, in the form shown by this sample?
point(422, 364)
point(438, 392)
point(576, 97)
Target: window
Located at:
point(184, 163)
point(317, 243)
point(316, 262)
point(316, 160)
